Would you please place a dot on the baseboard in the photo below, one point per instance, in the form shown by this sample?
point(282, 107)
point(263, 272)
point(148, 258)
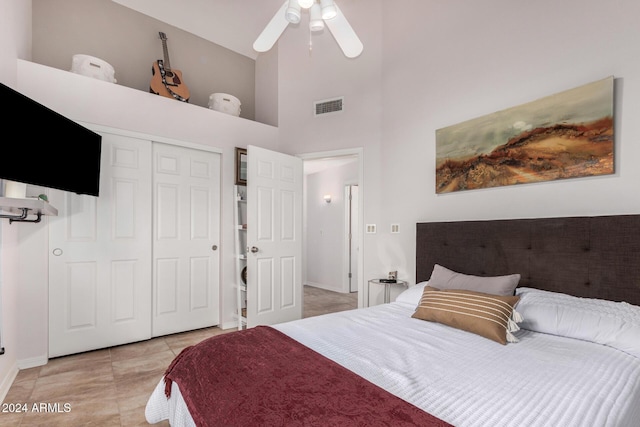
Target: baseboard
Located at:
point(7, 381)
point(229, 325)
point(325, 287)
point(33, 362)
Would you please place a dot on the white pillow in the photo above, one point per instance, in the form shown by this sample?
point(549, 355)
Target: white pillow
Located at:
point(412, 294)
point(615, 324)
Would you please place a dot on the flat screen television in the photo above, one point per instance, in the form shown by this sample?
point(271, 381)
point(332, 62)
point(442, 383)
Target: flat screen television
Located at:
point(49, 149)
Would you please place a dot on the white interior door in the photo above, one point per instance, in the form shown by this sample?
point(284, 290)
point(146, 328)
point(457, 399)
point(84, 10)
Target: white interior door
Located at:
point(100, 254)
point(186, 218)
point(274, 237)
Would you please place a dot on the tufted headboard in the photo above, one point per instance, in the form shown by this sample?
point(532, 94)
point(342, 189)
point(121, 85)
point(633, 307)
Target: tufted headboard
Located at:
point(594, 257)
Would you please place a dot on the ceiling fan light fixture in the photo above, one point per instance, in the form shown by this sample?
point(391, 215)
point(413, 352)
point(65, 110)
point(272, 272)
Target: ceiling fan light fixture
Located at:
point(329, 10)
point(292, 13)
point(289, 13)
point(315, 22)
point(306, 4)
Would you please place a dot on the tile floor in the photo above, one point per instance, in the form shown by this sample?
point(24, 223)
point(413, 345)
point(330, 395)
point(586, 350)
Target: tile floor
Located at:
point(318, 301)
point(110, 387)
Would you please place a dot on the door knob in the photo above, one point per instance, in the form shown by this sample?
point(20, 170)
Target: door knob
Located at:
point(254, 249)
point(214, 247)
point(57, 251)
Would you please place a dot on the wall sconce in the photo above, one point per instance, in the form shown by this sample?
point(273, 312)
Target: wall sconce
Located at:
point(327, 198)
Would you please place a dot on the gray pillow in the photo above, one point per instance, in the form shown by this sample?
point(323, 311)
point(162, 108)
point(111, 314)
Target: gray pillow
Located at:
point(443, 278)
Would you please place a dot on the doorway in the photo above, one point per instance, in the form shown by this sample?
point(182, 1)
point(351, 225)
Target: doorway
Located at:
point(332, 215)
point(352, 196)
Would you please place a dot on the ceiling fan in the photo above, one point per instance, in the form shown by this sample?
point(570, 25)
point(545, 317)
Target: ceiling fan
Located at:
point(321, 12)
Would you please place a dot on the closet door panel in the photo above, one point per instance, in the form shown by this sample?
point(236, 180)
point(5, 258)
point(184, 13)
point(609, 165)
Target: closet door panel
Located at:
point(81, 286)
point(199, 283)
point(100, 255)
point(167, 274)
point(186, 237)
point(123, 287)
point(141, 259)
point(167, 204)
point(124, 215)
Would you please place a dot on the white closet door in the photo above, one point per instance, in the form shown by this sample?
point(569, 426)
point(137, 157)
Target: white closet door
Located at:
point(186, 261)
point(100, 254)
point(274, 236)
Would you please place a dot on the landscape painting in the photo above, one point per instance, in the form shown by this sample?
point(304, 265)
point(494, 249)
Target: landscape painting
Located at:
point(566, 135)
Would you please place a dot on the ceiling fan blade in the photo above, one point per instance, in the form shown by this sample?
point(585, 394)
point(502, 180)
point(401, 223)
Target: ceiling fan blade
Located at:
point(345, 36)
point(272, 32)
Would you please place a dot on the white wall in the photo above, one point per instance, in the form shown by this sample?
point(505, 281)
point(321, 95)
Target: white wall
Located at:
point(324, 72)
point(267, 88)
point(457, 60)
point(326, 227)
point(33, 289)
point(129, 42)
point(15, 42)
point(428, 64)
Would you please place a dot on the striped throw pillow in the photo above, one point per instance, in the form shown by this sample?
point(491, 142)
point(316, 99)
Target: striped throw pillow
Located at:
point(487, 315)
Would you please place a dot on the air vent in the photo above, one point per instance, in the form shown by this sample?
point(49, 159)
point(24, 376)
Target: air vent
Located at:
point(328, 106)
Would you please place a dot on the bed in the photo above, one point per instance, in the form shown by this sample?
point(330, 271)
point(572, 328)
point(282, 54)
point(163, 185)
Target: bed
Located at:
point(571, 355)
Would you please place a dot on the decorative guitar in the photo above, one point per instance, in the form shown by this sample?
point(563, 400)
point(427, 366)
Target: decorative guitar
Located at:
point(167, 81)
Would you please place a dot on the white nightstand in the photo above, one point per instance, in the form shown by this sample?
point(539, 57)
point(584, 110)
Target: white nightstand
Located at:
point(387, 288)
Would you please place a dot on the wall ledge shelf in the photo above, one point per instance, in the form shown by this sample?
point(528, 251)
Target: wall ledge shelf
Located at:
point(20, 209)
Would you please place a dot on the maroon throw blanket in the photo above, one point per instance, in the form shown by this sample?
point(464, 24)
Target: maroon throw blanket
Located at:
point(262, 377)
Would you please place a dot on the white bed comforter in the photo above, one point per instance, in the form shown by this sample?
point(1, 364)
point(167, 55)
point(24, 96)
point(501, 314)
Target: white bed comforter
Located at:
point(464, 379)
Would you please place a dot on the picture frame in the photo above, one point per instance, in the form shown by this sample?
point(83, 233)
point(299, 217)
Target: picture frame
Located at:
point(566, 135)
point(241, 166)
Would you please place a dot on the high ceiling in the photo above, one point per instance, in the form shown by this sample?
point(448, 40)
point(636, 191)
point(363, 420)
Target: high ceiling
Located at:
point(234, 24)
